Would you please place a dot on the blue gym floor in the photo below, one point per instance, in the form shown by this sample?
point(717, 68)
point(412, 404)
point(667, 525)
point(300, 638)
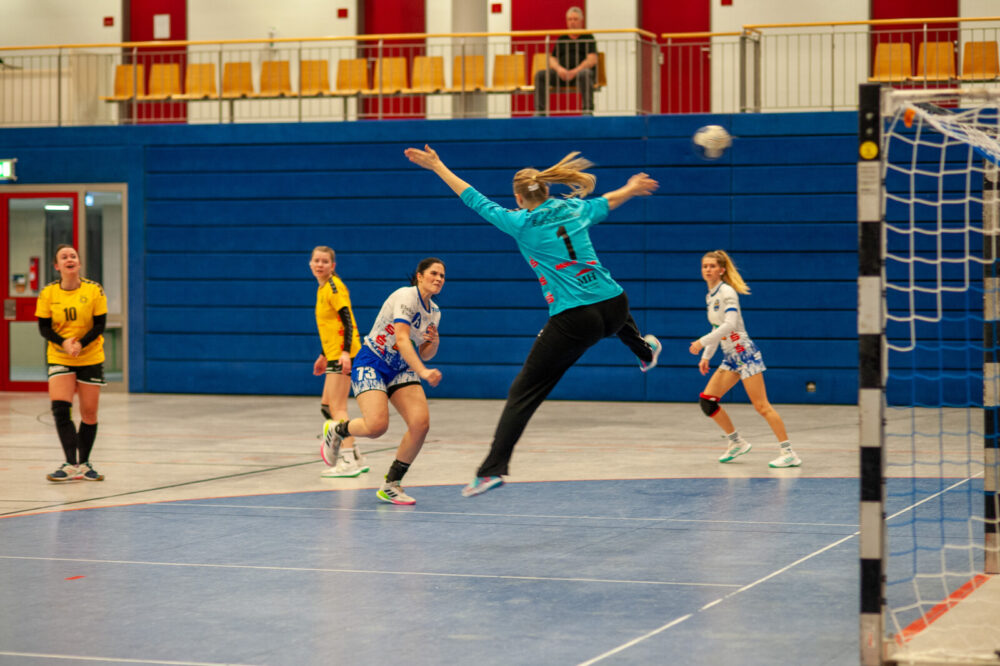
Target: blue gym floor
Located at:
point(643, 571)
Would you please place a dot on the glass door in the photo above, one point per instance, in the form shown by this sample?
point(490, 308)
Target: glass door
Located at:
point(32, 225)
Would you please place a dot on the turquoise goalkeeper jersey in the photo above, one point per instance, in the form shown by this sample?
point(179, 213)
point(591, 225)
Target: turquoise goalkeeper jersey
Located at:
point(555, 241)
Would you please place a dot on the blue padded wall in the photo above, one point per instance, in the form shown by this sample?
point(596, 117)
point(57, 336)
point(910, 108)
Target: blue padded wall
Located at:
point(222, 220)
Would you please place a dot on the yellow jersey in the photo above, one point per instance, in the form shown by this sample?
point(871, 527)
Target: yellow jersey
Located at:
point(331, 297)
point(72, 314)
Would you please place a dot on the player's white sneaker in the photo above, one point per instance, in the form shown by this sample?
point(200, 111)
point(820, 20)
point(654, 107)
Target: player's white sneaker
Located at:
point(786, 459)
point(393, 494)
point(735, 450)
point(330, 448)
point(655, 345)
point(346, 468)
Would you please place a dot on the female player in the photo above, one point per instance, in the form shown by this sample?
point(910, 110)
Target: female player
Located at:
point(585, 303)
point(742, 359)
point(72, 313)
point(338, 334)
point(389, 369)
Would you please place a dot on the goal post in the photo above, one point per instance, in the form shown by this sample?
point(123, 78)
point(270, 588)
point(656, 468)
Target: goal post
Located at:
point(929, 375)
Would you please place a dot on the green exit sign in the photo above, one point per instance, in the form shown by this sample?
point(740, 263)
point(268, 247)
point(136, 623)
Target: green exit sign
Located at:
point(7, 169)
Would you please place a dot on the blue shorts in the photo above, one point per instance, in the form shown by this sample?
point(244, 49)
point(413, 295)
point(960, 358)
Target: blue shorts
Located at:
point(370, 373)
point(748, 362)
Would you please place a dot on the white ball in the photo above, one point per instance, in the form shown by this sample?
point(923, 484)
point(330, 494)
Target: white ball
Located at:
point(712, 141)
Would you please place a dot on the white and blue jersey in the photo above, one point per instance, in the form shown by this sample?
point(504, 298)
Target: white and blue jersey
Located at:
point(740, 352)
point(554, 239)
point(403, 306)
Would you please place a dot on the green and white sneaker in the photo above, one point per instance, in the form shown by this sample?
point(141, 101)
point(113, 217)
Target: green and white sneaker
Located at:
point(346, 468)
point(735, 450)
point(66, 472)
point(393, 494)
point(786, 459)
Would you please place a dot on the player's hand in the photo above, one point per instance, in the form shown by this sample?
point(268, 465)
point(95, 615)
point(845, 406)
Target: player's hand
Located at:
point(431, 334)
point(72, 347)
point(431, 375)
point(696, 347)
point(345, 363)
point(703, 366)
point(426, 158)
point(642, 185)
point(319, 367)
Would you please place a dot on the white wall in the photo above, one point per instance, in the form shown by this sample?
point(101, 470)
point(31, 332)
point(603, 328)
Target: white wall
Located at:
point(254, 19)
point(40, 22)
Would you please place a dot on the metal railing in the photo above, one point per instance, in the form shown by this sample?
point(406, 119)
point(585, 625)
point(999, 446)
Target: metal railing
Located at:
point(319, 79)
point(761, 68)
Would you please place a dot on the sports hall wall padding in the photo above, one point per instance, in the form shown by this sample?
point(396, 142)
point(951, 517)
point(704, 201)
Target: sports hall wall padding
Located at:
point(222, 218)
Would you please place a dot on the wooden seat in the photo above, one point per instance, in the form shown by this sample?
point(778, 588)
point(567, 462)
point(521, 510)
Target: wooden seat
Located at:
point(979, 61)
point(508, 73)
point(275, 79)
point(127, 79)
point(893, 62)
point(164, 81)
point(315, 78)
point(540, 61)
point(468, 74)
point(237, 80)
point(935, 62)
point(199, 82)
point(352, 77)
point(428, 75)
point(389, 77)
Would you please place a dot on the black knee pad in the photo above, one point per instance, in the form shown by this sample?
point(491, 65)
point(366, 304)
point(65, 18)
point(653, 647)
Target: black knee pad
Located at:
point(709, 404)
point(62, 411)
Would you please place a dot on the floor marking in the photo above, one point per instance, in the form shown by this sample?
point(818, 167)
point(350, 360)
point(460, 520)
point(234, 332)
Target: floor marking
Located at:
point(366, 571)
point(500, 515)
point(40, 655)
point(766, 578)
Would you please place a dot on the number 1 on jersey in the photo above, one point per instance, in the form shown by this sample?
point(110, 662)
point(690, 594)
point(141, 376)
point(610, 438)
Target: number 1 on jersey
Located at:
point(561, 232)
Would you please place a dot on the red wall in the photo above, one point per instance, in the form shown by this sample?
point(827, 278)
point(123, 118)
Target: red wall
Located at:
point(685, 78)
point(139, 28)
point(913, 33)
point(380, 17)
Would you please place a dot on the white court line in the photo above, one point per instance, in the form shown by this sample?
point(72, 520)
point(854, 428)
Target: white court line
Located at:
point(365, 571)
point(380, 510)
point(75, 657)
point(675, 622)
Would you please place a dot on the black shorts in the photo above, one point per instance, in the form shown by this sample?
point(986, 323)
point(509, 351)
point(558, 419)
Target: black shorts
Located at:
point(85, 374)
point(334, 367)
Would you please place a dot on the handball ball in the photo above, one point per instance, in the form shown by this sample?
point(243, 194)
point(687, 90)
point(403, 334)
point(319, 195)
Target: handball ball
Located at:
point(711, 141)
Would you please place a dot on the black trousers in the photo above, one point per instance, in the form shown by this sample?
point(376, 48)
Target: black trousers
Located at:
point(561, 343)
point(584, 82)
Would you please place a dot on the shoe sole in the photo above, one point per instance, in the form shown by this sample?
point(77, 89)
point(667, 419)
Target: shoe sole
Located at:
point(85, 478)
point(773, 466)
point(656, 355)
point(350, 475)
point(725, 460)
point(385, 498)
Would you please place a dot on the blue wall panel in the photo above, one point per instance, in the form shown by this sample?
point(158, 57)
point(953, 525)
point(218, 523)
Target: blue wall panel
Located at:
point(222, 220)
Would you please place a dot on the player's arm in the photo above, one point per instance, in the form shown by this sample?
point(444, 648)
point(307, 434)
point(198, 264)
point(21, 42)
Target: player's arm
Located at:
point(45, 328)
point(409, 354)
point(639, 185)
point(428, 159)
point(713, 338)
point(100, 323)
point(429, 347)
point(345, 355)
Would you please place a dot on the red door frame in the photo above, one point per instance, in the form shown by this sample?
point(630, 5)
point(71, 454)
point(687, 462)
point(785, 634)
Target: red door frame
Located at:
point(25, 304)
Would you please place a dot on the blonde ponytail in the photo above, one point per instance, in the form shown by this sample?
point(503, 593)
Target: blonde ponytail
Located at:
point(730, 275)
point(531, 183)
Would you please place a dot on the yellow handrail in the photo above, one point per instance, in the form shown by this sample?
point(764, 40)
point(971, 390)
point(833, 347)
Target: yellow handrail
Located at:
point(348, 38)
point(758, 27)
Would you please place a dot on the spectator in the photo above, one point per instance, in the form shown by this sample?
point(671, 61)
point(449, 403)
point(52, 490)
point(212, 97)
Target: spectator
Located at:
point(573, 62)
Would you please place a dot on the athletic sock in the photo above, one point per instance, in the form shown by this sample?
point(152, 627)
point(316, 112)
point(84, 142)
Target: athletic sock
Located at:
point(325, 409)
point(85, 440)
point(61, 413)
point(397, 471)
point(734, 436)
point(341, 429)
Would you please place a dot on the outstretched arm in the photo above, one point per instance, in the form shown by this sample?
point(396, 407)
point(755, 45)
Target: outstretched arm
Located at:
point(428, 159)
point(639, 185)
